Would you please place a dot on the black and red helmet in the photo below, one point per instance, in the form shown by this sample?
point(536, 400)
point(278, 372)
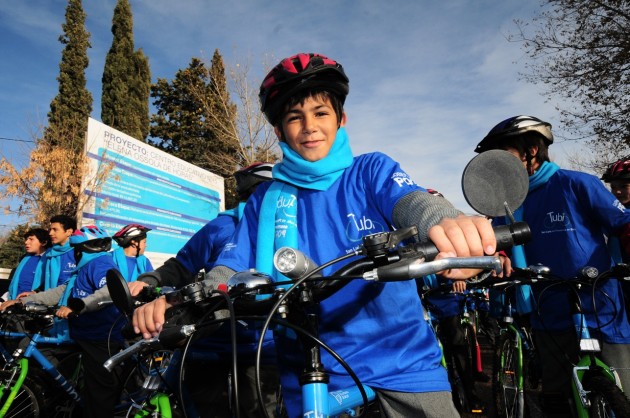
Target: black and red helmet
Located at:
point(305, 71)
point(250, 176)
point(619, 170)
point(514, 126)
point(131, 232)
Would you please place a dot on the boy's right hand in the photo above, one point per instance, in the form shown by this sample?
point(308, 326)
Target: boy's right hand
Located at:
point(148, 319)
point(8, 304)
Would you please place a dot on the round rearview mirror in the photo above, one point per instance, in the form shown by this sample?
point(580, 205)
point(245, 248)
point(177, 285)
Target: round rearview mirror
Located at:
point(494, 179)
point(119, 292)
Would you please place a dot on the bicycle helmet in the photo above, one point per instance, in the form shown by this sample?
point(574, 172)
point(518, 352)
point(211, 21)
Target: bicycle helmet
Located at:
point(250, 176)
point(619, 170)
point(300, 72)
point(91, 239)
point(131, 232)
point(516, 125)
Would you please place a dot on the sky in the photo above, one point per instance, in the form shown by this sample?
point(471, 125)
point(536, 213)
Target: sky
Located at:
point(428, 79)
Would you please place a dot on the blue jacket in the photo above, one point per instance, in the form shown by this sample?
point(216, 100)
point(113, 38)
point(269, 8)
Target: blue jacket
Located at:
point(569, 217)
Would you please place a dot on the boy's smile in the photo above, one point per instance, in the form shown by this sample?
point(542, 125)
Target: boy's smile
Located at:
point(310, 127)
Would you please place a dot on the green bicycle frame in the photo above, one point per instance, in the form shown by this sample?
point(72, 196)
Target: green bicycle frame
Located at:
point(160, 403)
point(23, 366)
point(520, 391)
point(579, 394)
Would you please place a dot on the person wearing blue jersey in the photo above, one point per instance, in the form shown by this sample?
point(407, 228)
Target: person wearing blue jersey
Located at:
point(129, 256)
point(323, 200)
point(59, 263)
point(57, 268)
point(200, 253)
point(26, 277)
point(96, 332)
point(570, 215)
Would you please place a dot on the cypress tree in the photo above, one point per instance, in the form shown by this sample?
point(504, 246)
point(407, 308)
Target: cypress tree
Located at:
point(67, 121)
point(126, 79)
point(70, 109)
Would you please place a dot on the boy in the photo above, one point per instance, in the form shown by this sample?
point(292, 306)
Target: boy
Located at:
point(129, 257)
point(92, 331)
point(329, 196)
point(569, 214)
point(59, 260)
point(28, 274)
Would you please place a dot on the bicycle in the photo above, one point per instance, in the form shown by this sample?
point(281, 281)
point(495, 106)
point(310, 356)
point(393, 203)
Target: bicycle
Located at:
point(28, 392)
point(39, 388)
point(596, 389)
point(462, 366)
point(515, 366)
point(401, 263)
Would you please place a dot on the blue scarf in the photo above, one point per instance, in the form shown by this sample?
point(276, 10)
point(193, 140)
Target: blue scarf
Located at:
point(53, 264)
point(15, 282)
point(277, 223)
point(277, 226)
point(236, 212)
point(120, 259)
point(317, 175)
point(524, 298)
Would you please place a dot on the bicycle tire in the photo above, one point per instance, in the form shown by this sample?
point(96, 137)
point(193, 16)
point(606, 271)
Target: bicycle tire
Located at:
point(607, 399)
point(508, 402)
point(29, 401)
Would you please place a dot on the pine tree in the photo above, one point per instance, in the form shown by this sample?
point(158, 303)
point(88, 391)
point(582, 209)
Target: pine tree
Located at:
point(70, 109)
point(68, 117)
point(197, 121)
point(126, 79)
point(12, 249)
point(180, 126)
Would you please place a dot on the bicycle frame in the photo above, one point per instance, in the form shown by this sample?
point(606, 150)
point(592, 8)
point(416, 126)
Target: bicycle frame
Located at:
point(589, 346)
point(22, 364)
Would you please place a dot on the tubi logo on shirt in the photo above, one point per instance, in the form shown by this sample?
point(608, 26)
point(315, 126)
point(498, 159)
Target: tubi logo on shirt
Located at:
point(360, 226)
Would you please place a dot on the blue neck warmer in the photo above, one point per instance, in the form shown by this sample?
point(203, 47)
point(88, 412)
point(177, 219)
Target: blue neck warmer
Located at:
point(317, 175)
point(120, 259)
point(524, 299)
point(277, 223)
point(15, 282)
point(53, 263)
point(235, 212)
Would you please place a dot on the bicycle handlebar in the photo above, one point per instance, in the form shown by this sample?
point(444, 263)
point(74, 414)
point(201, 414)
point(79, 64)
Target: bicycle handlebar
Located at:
point(168, 336)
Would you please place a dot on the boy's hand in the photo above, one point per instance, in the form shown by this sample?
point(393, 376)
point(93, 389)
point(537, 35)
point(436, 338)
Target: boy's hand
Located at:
point(64, 312)
point(136, 287)
point(464, 236)
point(148, 319)
point(8, 303)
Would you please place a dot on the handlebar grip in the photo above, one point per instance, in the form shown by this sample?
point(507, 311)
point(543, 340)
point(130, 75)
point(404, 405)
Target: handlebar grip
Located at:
point(507, 236)
point(172, 335)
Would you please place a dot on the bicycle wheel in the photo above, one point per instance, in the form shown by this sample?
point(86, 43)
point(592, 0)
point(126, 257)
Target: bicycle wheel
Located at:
point(28, 403)
point(508, 398)
point(607, 399)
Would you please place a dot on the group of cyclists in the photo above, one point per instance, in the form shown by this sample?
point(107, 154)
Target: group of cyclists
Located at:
point(311, 200)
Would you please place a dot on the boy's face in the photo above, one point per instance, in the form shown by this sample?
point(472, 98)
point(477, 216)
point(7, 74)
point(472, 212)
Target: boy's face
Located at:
point(32, 245)
point(621, 190)
point(310, 128)
point(59, 235)
point(142, 245)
